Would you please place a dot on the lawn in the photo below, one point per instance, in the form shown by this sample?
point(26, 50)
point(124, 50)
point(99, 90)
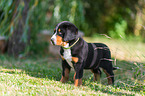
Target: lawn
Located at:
point(39, 75)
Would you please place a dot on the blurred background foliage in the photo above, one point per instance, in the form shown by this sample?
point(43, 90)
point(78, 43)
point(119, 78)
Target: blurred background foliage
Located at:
point(116, 18)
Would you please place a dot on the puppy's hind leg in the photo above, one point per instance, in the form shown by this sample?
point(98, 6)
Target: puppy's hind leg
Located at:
point(108, 70)
point(110, 76)
point(97, 74)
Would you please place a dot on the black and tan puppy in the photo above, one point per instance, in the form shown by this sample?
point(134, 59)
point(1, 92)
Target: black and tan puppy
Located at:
point(78, 54)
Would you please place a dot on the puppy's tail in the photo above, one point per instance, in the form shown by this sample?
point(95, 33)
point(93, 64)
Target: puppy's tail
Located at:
point(115, 68)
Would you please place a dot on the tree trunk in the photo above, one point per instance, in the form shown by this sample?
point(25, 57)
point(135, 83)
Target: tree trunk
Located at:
point(16, 45)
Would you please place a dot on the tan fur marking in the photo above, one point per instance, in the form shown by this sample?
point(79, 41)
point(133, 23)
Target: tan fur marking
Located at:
point(74, 76)
point(59, 30)
point(75, 59)
point(58, 40)
point(65, 78)
point(108, 77)
point(78, 82)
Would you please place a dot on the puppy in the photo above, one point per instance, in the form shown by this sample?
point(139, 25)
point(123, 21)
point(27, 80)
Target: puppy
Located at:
point(78, 54)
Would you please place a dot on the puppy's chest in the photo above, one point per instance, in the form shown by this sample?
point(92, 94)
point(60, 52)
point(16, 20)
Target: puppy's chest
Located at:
point(67, 56)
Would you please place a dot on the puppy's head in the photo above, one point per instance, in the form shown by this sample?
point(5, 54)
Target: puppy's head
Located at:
point(63, 33)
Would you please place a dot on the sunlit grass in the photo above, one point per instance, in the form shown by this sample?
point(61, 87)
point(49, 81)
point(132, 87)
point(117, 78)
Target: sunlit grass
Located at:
point(123, 49)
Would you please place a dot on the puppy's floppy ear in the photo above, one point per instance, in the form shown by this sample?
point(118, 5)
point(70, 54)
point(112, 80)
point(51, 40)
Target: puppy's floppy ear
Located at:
point(71, 33)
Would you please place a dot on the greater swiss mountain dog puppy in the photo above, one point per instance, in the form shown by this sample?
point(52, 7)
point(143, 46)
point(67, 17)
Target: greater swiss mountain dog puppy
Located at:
point(78, 54)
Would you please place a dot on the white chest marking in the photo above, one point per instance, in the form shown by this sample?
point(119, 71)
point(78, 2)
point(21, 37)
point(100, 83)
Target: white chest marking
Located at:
point(67, 55)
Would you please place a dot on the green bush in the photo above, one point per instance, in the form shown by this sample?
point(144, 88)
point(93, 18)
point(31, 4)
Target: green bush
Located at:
point(119, 30)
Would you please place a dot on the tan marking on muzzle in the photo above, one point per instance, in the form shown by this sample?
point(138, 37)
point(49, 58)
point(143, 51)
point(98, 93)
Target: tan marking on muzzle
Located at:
point(58, 40)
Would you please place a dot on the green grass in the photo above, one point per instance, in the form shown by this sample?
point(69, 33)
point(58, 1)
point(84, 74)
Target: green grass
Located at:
point(40, 75)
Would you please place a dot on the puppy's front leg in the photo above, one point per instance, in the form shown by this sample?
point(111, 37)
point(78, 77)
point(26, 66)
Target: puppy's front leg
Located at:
point(65, 71)
point(78, 82)
point(78, 74)
point(65, 76)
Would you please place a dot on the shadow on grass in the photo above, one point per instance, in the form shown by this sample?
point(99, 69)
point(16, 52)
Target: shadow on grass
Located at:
point(46, 67)
point(40, 67)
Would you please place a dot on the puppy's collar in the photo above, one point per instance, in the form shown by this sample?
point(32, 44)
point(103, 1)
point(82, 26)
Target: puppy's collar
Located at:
point(72, 44)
